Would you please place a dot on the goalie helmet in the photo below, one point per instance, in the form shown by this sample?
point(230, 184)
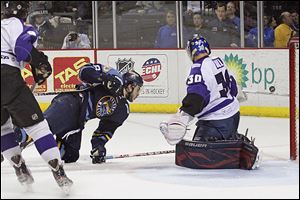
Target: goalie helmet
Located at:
point(196, 46)
point(132, 77)
point(17, 9)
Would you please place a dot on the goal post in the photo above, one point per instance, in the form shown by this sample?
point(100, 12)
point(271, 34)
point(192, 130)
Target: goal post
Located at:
point(294, 96)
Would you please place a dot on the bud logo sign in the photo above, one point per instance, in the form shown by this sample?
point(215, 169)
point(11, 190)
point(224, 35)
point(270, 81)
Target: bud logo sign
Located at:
point(151, 69)
point(28, 77)
point(66, 70)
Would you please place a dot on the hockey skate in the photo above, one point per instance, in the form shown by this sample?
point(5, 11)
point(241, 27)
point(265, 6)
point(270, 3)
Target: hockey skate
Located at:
point(22, 172)
point(60, 176)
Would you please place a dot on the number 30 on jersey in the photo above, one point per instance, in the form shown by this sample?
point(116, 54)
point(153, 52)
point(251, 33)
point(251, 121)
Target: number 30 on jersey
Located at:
point(194, 78)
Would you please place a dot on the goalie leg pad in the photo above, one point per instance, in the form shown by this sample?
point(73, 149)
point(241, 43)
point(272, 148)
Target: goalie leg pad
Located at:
point(250, 157)
point(208, 155)
point(221, 154)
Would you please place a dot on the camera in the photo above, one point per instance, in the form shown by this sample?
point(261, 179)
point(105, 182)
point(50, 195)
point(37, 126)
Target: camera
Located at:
point(73, 36)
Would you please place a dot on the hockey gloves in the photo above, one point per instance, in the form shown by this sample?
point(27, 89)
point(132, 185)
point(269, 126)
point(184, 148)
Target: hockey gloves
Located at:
point(98, 155)
point(41, 68)
point(111, 82)
point(175, 129)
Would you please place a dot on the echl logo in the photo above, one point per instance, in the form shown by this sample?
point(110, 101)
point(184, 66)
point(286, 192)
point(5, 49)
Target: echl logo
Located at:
point(151, 69)
point(124, 65)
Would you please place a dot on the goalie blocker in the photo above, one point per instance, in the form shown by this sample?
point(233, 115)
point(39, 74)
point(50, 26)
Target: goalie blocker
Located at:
point(221, 154)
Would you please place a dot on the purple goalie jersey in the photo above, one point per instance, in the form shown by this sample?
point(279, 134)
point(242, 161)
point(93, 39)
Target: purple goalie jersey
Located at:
point(211, 79)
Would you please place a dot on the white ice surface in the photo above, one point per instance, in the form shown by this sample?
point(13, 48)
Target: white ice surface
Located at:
point(158, 176)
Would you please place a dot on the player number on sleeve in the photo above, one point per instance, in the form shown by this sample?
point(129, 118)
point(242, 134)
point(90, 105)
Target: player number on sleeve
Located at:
point(194, 78)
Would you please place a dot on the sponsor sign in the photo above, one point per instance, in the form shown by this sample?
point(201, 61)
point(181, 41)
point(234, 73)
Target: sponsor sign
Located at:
point(153, 69)
point(65, 71)
point(28, 78)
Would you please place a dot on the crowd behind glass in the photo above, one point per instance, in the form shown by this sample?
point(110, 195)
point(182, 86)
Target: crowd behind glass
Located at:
point(153, 24)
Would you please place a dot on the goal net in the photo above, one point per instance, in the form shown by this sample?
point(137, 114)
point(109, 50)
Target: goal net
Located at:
point(294, 98)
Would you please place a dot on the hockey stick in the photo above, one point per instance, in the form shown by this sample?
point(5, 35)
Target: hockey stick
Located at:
point(265, 93)
point(66, 92)
point(140, 154)
point(55, 93)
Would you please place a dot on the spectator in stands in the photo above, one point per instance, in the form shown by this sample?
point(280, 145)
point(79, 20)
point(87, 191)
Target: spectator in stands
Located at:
point(250, 16)
point(84, 10)
point(193, 7)
point(269, 25)
point(75, 40)
point(284, 32)
point(222, 32)
point(150, 7)
point(295, 26)
point(46, 30)
point(104, 8)
point(230, 12)
point(167, 35)
point(199, 26)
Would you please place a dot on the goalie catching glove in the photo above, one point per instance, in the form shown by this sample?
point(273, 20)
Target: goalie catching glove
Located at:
point(175, 129)
point(40, 66)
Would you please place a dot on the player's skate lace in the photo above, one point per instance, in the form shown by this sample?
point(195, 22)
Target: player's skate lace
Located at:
point(22, 172)
point(59, 174)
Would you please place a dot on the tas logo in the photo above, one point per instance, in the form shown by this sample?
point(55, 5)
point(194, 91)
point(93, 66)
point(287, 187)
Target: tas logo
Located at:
point(124, 65)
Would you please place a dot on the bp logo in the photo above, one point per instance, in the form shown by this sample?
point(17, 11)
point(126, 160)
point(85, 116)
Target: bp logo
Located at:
point(237, 67)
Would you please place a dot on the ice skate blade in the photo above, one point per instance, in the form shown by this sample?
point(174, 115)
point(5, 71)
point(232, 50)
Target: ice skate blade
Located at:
point(66, 189)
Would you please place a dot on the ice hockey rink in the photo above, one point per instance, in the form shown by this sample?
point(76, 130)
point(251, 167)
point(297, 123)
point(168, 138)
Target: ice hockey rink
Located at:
point(157, 176)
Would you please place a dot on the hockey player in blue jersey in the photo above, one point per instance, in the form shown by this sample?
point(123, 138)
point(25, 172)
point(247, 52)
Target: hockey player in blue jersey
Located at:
point(211, 98)
point(18, 105)
point(104, 94)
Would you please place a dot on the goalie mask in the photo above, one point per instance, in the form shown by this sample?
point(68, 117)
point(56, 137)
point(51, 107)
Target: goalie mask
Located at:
point(196, 46)
point(17, 9)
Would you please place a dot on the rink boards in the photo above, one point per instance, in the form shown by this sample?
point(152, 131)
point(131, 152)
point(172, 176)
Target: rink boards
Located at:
point(165, 71)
